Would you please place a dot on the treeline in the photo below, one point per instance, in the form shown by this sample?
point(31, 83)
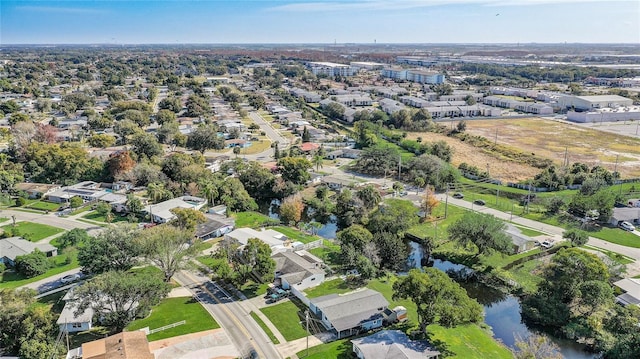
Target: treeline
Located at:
point(550, 74)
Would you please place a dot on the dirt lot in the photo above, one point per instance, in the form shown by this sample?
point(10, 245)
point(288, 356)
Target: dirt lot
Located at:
point(550, 138)
point(502, 169)
point(544, 138)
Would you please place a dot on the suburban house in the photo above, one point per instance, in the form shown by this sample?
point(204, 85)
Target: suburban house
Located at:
point(631, 215)
point(36, 190)
point(350, 153)
point(392, 344)
point(338, 184)
point(215, 226)
point(631, 288)
point(350, 313)
point(12, 247)
point(521, 242)
point(125, 345)
point(68, 321)
point(87, 190)
point(274, 239)
point(299, 269)
point(161, 212)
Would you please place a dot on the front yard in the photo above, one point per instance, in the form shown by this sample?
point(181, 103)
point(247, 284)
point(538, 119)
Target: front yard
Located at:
point(173, 310)
point(32, 231)
point(285, 317)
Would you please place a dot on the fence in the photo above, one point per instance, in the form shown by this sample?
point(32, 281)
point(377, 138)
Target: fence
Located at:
point(314, 244)
point(167, 327)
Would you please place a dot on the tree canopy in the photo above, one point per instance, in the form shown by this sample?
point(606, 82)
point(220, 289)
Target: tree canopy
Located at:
point(482, 231)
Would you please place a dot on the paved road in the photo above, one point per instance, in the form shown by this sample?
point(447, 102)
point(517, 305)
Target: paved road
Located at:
point(272, 133)
point(244, 332)
point(50, 283)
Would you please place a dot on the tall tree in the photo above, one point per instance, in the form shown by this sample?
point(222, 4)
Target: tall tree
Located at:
point(484, 231)
point(168, 247)
point(438, 298)
point(114, 248)
point(294, 169)
point(257, 255)
point(187, 218)
point(120, 297)
point(291, 209)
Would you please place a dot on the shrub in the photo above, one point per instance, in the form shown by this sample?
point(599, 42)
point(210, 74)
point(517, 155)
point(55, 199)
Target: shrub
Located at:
point(32, 264)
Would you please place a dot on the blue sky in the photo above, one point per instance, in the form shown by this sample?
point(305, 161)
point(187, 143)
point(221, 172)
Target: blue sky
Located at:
point(319, 21)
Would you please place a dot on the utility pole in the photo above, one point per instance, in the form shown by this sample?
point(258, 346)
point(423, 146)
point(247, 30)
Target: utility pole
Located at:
point(446, 201)
point(399, 166)
point(307, 321)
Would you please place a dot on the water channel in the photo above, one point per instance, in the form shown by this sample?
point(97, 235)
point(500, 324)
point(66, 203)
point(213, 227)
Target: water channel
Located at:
point(502, 311)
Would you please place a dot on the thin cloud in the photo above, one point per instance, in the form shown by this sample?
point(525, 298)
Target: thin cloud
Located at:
point(329, 6)
point(60, 10)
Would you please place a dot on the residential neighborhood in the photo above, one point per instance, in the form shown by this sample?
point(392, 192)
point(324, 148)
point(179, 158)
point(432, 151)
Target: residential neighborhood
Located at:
point(302, 202)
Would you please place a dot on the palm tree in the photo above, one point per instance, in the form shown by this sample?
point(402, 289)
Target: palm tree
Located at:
point(209, 190)
point(317, 160)
point(155, 191)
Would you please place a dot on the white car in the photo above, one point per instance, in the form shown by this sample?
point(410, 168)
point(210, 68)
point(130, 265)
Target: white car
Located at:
point(70, 278)
point(626, 226)
point(546, 244)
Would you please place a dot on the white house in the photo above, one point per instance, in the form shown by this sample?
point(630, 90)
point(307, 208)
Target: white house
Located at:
point(274, 239)
point(68, 321)
point(87, 190)
point(161, 212)
point(392, 344)
point(299, 269)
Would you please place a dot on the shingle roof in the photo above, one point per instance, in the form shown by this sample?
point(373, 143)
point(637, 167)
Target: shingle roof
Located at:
point(349, 310)
point(393, 344)
point(17, 246)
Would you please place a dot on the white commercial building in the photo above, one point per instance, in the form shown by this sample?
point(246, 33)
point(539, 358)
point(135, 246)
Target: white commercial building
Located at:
point(605, 115)
point(331, 69)
point(586, 103)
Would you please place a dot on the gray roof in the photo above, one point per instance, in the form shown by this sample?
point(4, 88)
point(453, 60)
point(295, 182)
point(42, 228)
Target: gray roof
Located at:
point(346, 311)
point(626, 214)
point(17, 246)
point(296, 266)
point(213, 223)
point(516, 235)
point(632, 288)
point(393, 344)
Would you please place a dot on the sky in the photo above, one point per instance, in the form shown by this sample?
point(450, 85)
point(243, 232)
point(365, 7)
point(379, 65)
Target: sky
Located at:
point(318, 21)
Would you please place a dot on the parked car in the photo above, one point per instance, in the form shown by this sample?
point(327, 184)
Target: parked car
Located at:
point(626, 226)
point(479, 202)
point(278, 294)
point(70, 278)
point(546, 244)
point(458, 195)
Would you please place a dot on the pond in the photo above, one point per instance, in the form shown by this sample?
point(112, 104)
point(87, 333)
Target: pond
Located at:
point(329, 225)
point(502, 311)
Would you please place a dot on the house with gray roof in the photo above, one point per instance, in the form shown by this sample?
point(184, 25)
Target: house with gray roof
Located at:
point(392, 344)
point(69, 321)
point(631, 288)
point(299, 269)
point(521, 242)
point(631, 215)
point(161, 212)
point(215, 226)
point(350, 313)
point(12, 247)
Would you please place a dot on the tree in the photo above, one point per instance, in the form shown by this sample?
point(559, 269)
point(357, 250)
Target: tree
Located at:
point(291, 209)
point(18, 117)
point(352, 243)
point(32, 264)
point(306, 136)
point(45, 134)
point(205, 137)
point(236, 150)
point(165, 116)
point(73, 238)
point(133, 204)
point(169, 248)
point(113, 249)
point(294, 169)
point(392, 250)
point(483, 231)
point(395, 216)
point(349, 209)
point(105, 210)
point(172, 104)
point(76, 201)
point(125, 129)
point(120, 297)
point(257, 255)
point(101, 140)
point(438, 298)
point(187, 218)
point(120, 163)
point(429, 202)
point(317, 161)
point(536, 347)
point(576, 237)
point(370, 197)
point(146, 144)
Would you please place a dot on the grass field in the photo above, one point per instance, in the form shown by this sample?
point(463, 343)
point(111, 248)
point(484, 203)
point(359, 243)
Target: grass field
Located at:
point(285, 317)
point(296, 235)
point(95, 216)
point(43, 206)
point(339, 349)
point(251, 219)
point(264, 327)
point(33, 231)
point(550, 139)
point(172, 310)
point(256, 147)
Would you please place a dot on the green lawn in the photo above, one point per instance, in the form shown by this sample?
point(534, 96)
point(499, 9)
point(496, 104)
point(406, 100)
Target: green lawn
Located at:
point(337, 286)
point(13, 280)
point(252, 289)
point(33, 231)
point(329, 252)
point(172, 310)
point(43, 206)
point(438, 229)
point(529, 232)
point(296, 235)
point(285, 317)
point(252, 219)
point(264, 327)
point(339, 349)
point(95, 216)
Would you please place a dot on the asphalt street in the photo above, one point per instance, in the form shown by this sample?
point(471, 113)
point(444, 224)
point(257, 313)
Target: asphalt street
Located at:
point(246, 335)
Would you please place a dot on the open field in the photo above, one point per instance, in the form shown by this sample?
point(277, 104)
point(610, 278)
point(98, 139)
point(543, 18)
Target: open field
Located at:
point(504, 169)
point(549, 139)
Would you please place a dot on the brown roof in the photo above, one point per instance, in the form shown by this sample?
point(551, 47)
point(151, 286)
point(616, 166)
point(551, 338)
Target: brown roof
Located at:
point(125, 345)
